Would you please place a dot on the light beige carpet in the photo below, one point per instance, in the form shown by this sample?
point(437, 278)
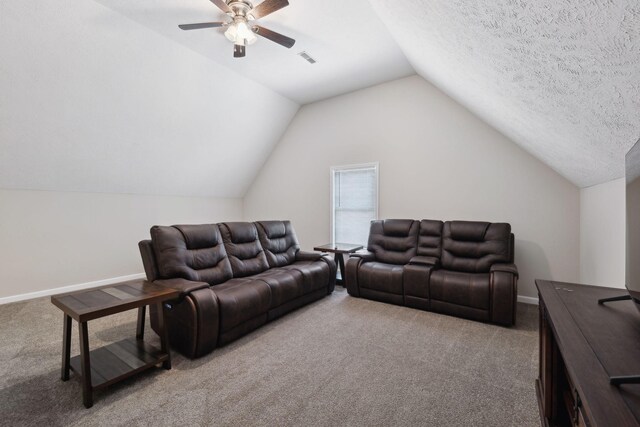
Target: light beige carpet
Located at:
point(339, 361)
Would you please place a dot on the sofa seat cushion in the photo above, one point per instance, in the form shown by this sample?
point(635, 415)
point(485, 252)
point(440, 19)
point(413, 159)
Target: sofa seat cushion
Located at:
point(468, 289)
point(285, 285)
point(241, 300)
point(381, 277)
point(315, 274)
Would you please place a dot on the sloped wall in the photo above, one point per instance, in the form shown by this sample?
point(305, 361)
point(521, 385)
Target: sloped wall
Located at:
point(437, 160)
point(53, 239)
point(559, 77)
point(94, 102)
point(114, 121)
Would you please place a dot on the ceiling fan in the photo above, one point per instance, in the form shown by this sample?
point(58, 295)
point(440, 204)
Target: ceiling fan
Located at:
point(241, 31)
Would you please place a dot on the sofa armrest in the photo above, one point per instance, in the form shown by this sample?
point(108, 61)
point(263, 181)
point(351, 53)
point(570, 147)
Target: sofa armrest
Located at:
point(193, 322)
point(148, 260)
point(333, 268)
point(503, 283)
point(365, 256)
point(428, 261)
point(183, 285)
point(308, 256)
point(505, 268)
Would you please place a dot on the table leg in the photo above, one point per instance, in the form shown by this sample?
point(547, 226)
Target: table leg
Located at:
point(164, 335)
point(141, 315)
point(66, 347)
point(340, 262)
point(87, 391)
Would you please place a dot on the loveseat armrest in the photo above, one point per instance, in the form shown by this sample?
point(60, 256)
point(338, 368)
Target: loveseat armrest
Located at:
point(428, 261)
point(353, 267)
point(365, 256)
point(308, 256)
point(505, 268)
point(183, 285)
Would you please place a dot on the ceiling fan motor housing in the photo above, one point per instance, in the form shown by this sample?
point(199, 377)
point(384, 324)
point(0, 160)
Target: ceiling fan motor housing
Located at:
point(241, 8)
point(239, 31)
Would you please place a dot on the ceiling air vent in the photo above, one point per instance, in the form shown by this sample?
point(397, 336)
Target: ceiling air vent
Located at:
point(307, 57)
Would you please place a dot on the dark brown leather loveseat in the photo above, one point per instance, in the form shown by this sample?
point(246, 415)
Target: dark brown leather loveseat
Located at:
point(462, 268)
point(234, 277)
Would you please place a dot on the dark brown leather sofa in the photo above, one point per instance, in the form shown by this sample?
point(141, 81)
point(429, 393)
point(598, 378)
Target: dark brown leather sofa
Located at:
point(234, 277)
point(462, 268)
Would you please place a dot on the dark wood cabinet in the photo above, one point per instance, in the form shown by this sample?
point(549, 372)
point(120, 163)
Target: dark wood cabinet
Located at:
point(582, 344)
point(544, 381)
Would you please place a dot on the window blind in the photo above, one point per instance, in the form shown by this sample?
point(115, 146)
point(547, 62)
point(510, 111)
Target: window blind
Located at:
point(355, 203)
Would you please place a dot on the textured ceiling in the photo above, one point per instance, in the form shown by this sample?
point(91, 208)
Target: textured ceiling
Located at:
point(350, 43)
point(559, 77)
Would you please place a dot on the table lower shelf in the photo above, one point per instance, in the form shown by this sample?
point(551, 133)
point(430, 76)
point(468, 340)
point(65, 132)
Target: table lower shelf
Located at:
point(120, 360)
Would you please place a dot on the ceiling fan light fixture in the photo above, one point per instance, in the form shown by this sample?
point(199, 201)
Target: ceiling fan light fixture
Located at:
point(239, 33)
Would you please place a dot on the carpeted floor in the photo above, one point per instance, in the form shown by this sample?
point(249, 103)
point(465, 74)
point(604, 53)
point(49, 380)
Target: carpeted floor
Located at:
point(339, 361)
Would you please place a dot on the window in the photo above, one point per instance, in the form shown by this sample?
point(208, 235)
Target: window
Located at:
point(354, 202)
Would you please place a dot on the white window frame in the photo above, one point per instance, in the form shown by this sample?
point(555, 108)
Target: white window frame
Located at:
point(334, 169)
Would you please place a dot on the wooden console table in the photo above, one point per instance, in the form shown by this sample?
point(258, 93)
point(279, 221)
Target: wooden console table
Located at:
point(104, 366)
point(582, 344)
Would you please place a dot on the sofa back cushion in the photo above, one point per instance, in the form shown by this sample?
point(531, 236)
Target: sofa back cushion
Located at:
point(430, 238)
point(393, 241)
point(243, 247)
point(473, 247)
point(279, 241)
point(192, 252)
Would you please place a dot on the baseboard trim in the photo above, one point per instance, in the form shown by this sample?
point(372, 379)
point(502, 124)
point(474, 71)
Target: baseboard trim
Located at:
point(70, 288)
point(527, 300)
point(95, 284)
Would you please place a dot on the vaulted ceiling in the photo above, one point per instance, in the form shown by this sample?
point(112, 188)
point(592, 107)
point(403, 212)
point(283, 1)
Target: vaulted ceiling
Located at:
point(352, 48)
point(560, 77)
point(110, 96)
point(94, 102)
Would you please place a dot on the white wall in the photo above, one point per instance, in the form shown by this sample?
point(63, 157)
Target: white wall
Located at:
point(437, 160)
point(54, 239)
point(602, 234)
point(91, 101)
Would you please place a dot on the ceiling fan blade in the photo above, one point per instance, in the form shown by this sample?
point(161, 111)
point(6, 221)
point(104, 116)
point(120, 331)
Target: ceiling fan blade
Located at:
point(202, 25)
point(239, 51)
point(273, 36)
point(222, 5)
point(267, 7)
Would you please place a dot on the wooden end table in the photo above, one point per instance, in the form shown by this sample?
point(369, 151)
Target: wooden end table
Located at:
point(339, 250)
point(107, 365)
